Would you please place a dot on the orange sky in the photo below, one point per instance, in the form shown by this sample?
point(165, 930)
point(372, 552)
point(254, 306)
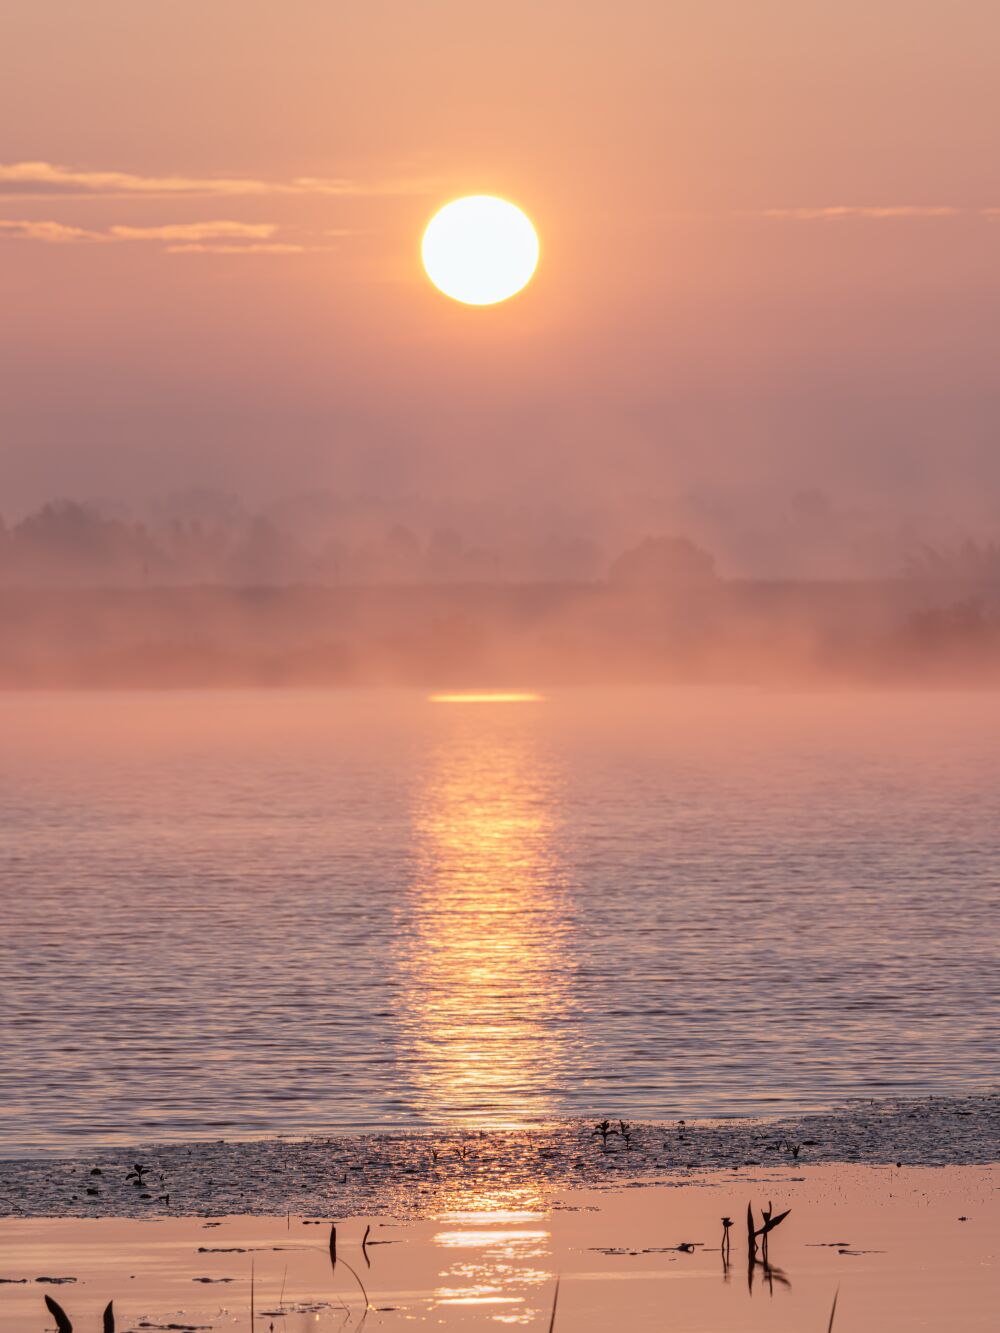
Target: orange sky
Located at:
point(769, 257)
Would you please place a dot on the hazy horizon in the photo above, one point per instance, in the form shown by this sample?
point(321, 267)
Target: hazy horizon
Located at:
point(199, 534)
point(769, 241)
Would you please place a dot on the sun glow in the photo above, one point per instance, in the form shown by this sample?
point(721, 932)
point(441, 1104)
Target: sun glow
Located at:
point(487, 697)
point(480, 250)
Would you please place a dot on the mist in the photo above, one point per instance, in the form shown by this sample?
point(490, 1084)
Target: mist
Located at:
point(321, 590)
point(762, 324)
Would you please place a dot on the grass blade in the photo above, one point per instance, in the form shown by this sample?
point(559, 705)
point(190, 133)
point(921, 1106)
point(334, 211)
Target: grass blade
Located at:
point(555, 1302)
point(833, 1311)
point(357, 1279)
point(59, 1315)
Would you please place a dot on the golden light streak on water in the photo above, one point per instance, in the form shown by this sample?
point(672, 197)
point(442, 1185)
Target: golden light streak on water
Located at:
point(486, 966)
point(500, 1263)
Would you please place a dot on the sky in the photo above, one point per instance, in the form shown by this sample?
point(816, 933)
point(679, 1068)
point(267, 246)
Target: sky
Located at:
point(770, 237)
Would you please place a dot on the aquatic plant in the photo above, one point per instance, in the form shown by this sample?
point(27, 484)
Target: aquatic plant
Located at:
point(137, 1173)
point(762, 1232)
point(603, 1131)
point(353, 1273)
point(63, 1323)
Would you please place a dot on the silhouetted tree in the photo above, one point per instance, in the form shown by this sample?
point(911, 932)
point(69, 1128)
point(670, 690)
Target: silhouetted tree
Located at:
point(971, 561)
point(71, 543)
point(663, 560)
point(266, 555)
point(445, 559)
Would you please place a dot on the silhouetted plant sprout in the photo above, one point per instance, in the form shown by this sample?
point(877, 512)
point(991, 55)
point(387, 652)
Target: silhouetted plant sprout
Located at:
point(762, 1232)
point(137, 1173)
point(755, 1233)
point(603, 1131)
point(727, 1222)
point(625, 1130)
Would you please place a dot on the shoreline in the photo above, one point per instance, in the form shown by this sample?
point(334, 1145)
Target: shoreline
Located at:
point(409, 1173)
point(894, 1249)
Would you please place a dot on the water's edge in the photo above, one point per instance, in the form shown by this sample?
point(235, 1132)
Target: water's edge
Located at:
point(408, 1173)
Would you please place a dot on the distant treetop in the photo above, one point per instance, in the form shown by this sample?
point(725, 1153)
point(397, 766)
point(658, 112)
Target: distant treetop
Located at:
point(663, 560)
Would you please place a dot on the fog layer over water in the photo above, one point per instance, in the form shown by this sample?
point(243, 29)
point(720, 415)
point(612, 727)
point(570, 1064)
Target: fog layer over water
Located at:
point(237, 914)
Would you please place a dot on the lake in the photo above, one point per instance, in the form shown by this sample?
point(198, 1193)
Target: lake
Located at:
point(240, 914)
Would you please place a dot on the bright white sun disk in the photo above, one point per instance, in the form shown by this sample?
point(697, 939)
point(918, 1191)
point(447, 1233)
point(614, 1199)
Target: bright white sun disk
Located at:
point(480, 249)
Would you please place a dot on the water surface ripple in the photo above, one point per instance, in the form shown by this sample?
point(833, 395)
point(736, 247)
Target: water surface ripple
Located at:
point(229, 915)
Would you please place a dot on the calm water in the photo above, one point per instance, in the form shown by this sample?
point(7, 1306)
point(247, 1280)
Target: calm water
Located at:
point(229, 915)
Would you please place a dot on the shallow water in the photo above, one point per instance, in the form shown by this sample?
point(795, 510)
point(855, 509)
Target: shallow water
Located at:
point(901, 1250)
point(235, 914)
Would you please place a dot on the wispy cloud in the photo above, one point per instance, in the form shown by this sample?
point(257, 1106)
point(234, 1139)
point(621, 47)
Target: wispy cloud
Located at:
point(196, 231)
point(875, 212)
point(219, 237)
point(52, 233)
point(34, 180)
point(254, 248)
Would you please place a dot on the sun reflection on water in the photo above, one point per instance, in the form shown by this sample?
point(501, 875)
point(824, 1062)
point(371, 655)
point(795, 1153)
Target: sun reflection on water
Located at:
point(485, 975)
point(487, 697)
point(507, 1264)
point(486, 992)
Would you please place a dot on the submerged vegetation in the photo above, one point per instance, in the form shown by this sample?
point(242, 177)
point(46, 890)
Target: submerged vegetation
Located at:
point(756, 1256)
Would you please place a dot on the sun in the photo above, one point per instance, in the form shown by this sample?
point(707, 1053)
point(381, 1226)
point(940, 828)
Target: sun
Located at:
point(480, 250)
